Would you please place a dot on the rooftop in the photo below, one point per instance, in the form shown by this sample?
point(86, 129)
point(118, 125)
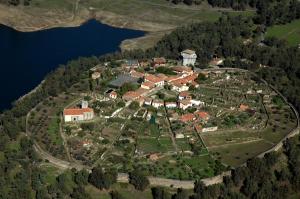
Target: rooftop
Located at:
point(188, 51)
point(122, 79)
point(187, 117)
point(77, 111)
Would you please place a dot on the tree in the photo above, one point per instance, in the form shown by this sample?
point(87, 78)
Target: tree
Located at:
point(80, 193)
point(81, 177)
point(138, 180)
point(181, 194)
point(159, 193)
point(116, 195)
point(102, 179)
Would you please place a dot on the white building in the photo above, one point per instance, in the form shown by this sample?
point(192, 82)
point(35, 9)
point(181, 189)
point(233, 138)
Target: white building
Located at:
point(157, 103)
point(189, 57)
point(184, 104)
point(79, 114)
point(197, 102)
point(113, 95)
point(171, 104)
point(210, 129)
point(179, 87)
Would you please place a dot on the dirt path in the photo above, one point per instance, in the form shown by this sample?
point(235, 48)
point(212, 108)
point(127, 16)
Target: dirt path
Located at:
point(172, 135)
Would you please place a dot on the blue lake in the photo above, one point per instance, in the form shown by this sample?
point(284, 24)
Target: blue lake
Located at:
point(26, 57)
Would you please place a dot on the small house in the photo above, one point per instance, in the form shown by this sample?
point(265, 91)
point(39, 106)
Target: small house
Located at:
point(184, 95)
point(187, 117)
point(147, 85)
point(184, 104)
point(96, 75)
point(148, 101)
point(159, 61)
point(157, 103)
point(113, 95)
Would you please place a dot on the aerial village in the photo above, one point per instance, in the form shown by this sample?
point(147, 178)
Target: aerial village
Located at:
point(168, 117)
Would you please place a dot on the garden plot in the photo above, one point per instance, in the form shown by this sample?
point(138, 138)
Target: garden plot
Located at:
point(107, 108)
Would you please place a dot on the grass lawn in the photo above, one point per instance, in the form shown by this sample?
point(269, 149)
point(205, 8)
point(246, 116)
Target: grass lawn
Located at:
point(53, 131)
point(50, 173)
point(150, 145)
point(289, 32)
point(218, 139)
point(237, 154)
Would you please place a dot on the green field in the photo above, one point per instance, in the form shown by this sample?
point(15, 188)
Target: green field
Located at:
point(290, 32)
point(237, 154)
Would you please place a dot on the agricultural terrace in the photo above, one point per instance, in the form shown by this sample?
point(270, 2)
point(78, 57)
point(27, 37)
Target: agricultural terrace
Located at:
point(224, 118)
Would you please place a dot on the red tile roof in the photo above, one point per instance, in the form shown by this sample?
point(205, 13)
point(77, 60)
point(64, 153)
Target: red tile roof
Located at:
point(130, 95)
point(184, 94)
point(202, 114)
point(187, 117)
point(159, 60)
point(153, 78)
point(244, 107)
point(77, 111)
point(148, 84)
point(113, 93)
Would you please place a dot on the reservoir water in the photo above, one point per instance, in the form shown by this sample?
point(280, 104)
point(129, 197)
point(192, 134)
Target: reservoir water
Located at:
point(26, 57)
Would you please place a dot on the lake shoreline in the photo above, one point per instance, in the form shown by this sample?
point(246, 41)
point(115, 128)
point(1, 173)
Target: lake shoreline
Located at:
point(57, 42)
point(21, 20)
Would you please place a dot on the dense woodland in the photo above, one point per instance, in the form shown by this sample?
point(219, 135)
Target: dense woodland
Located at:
point(275, 176)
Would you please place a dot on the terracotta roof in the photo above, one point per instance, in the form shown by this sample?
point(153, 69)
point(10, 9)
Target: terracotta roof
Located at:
point(77, 111)
point(148, 84)
point(114, 93)
point(172, 78)
point(187, 117)
point(153, 78)
point(130, 95)
point(202, 114)
point(244, 107)
point(184, 94)
point(159, 60)
point(162, 76)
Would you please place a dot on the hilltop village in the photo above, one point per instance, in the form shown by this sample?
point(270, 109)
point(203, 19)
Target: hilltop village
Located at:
point(167, 117)
point(163, 78)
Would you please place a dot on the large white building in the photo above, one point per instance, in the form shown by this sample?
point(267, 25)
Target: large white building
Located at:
point(189, 57)
point(78, 114)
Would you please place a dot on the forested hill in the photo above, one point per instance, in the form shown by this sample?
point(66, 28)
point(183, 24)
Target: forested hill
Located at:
point(269, 12)
point(238, 40)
